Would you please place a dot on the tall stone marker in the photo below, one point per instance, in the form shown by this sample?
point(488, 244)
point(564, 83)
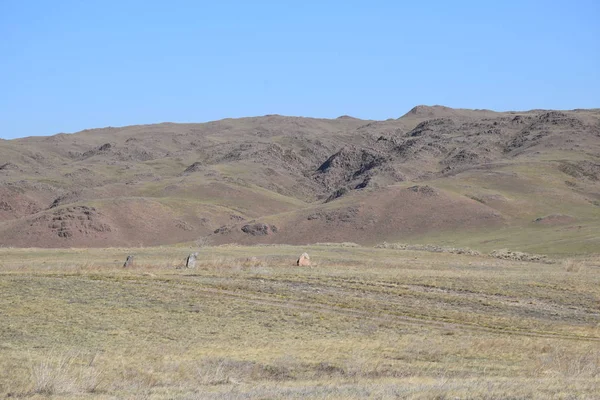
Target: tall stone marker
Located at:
point(191, 260)
point(128, 262)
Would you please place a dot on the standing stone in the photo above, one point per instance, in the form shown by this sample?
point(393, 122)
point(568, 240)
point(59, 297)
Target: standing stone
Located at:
point(191, 261)
point(128, 262)
point(304, 260)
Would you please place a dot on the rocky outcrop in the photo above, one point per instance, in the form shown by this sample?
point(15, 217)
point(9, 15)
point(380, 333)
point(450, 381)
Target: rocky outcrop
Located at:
point(350, 165)
point(69, 221)
point(424, 190)
point(259, 229)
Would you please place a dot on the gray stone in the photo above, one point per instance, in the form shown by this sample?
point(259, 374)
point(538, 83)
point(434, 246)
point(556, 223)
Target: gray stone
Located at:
point(191, 260)
point(128, 262)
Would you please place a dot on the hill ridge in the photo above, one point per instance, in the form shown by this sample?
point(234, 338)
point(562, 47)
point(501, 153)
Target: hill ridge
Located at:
point(174, 177)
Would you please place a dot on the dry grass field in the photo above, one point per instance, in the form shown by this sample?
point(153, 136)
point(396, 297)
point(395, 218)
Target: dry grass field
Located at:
point(360, 323)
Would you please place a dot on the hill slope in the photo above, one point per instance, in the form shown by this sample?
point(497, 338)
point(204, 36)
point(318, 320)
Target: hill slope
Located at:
point(472, 177)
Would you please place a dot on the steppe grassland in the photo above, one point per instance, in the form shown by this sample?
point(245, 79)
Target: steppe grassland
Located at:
point(360, 323)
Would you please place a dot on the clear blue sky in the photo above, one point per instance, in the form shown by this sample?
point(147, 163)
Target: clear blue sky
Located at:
point(70, 65)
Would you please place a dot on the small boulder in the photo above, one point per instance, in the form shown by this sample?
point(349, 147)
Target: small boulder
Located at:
point(128, 262)
point(191, 260)
point(304, 260)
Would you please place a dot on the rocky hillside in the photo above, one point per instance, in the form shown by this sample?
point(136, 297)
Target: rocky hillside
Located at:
point(435, 173)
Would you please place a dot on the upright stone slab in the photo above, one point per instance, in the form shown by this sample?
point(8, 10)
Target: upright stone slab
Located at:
point(128, 262)
point(191, 261)
point(304, 260)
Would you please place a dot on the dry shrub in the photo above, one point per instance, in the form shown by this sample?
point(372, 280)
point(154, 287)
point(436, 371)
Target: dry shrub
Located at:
point(253, 262)
point(361, 365)
point(203, 241)
point(341, 244)
point(134, 379)
point(328, 370)
point(218, 371)
point(564, 363)
point(216, 263)
point(505, 254)
point(66, 373)
point(177, 263)
point(571, 265)
point(428, 247)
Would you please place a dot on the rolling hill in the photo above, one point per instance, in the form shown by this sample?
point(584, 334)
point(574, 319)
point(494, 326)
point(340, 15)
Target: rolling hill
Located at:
point(525, 180)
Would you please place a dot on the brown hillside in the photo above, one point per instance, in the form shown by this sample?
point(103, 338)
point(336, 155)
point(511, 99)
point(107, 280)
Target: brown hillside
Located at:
point(344, 179)
point(369, 217)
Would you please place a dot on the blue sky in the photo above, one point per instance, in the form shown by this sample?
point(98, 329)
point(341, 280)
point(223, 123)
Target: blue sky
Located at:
point(71, 65)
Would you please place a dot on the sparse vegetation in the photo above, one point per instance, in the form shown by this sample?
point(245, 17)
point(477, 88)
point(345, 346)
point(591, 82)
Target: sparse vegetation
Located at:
point(342, 244)
point(247, 323)
point(572, 265)
point(427, 247)
point(506, 254)
point(203, 241)
point(66, 373)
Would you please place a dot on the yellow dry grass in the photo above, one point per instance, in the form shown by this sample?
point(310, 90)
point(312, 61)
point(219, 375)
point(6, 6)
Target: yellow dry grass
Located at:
point(247, 323)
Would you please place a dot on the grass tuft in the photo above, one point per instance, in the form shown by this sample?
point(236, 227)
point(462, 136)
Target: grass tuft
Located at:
point(65, 374)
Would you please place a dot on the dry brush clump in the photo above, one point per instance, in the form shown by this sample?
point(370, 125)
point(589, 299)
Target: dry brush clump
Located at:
point(203, 241)
point(67, 373)
point(505, 254)
point(230, 264)
point(341, 244)
point(427, 247)
point(572, 265)
point(217, 263)
point(217, 371)
point(561, 362)
point(223, 370)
